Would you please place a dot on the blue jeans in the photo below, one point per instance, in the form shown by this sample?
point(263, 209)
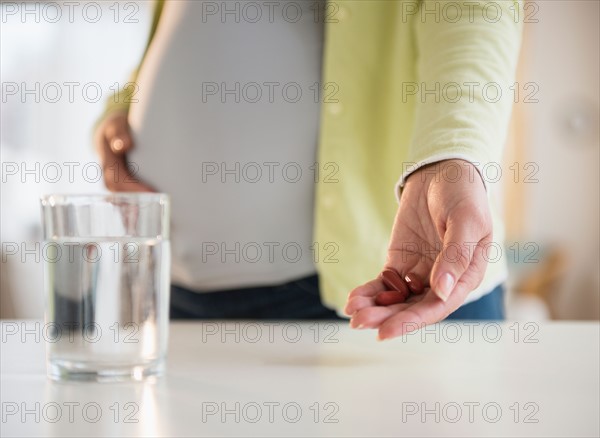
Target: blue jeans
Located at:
point(488, 307)
point(298, 299)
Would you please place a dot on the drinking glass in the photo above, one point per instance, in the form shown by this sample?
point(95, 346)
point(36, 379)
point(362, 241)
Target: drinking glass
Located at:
point(107, 278)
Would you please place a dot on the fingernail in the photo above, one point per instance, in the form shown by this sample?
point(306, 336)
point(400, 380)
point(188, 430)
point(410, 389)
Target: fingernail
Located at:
point(380, 339)
point(117, 144)
point(354, 325)
point(360, 326)
point(445, 286)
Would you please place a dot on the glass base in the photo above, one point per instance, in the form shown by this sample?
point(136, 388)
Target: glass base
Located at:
point(71, 371)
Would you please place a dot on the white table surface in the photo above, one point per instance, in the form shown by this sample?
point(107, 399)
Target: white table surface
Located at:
point(341, 383)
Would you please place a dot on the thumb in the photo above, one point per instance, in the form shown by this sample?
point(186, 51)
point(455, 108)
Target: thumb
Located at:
point(462, 242)
point(118, 135)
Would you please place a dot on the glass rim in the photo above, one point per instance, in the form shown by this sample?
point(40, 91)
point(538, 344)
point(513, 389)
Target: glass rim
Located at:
point(64, 198)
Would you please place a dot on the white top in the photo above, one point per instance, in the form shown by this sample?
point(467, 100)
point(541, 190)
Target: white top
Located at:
point(543, 378)
point(220, 126)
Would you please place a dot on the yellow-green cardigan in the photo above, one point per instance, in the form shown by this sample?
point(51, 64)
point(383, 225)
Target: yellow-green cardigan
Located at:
point(382, 56)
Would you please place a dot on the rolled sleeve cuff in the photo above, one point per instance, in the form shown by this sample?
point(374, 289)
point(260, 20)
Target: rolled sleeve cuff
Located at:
point(411, 167)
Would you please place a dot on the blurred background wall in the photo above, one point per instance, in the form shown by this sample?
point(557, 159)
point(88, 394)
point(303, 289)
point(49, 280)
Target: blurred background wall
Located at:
point(552, 211)
point(94, 48)
point(551, 169)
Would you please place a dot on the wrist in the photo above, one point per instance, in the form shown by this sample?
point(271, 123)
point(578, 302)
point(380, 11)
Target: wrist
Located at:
point(452, 170)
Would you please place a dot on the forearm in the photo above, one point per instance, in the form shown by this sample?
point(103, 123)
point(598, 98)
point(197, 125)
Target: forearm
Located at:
point(466, 67)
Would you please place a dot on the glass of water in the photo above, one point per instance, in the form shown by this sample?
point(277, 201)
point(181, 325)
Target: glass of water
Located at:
point(107, 275)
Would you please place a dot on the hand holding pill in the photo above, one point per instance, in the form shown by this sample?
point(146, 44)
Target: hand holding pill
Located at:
point(435, 256)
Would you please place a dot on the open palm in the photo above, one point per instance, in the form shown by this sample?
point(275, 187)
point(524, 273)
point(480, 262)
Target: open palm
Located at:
point(441, 227)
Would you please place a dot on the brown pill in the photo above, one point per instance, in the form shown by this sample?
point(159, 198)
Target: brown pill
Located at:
point(388, 298)
point(394, 281)
point(415, 284)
